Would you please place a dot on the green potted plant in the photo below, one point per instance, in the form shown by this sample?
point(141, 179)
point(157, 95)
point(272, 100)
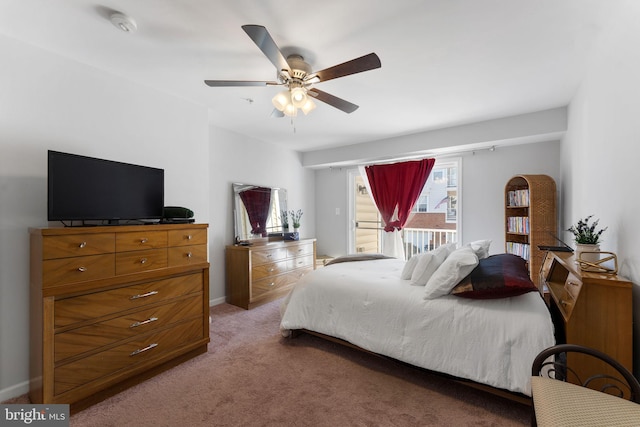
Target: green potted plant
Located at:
point(295, 219)
point(587, 238)
point(284, 217)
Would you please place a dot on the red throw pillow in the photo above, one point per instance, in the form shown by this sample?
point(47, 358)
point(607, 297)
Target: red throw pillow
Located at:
point(498, 276)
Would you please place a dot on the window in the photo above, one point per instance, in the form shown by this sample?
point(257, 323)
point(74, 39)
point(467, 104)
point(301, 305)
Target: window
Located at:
point(434, 218)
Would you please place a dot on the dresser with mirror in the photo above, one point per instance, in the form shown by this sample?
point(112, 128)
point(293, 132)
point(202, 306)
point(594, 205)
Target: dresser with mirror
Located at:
point(262, 264)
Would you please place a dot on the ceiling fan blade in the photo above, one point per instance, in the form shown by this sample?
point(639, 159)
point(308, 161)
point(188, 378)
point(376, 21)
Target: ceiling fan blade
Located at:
point(235, 83)
point(332, 100)
point(263, 40)
point(358, 65)
point(277, 113)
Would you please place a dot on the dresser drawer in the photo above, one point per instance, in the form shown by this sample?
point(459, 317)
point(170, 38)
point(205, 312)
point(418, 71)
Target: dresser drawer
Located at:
point(97, 335)
point(298, 273)
point(300, 262)
point(188, 237)
point(261, 288)
point(74, 245)
point(299, 250)
point(134, 241)
point(266, 270)
point(91, 306)
point(184, 255)
point(77, 269)
point(266, 256)
point(139, 261)
point(143, 349)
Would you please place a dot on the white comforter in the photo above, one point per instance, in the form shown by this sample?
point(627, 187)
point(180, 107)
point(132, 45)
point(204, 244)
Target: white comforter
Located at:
point(366, 303)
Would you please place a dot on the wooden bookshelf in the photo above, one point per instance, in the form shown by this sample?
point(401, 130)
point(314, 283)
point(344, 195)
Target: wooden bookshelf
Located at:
point(530, 218)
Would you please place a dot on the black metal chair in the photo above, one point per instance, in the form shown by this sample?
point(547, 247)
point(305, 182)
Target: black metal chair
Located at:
point(552, 363)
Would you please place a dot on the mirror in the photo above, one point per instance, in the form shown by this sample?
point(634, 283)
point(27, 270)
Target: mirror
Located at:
point(257, 211)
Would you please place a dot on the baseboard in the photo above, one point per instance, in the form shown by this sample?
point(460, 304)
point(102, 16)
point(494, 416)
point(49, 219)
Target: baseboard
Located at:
point(14, 391)
point(217, 301)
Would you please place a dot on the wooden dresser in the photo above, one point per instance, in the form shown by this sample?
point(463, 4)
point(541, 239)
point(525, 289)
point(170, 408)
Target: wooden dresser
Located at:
point(112, 306)
point(590, 309)
point(261, 273)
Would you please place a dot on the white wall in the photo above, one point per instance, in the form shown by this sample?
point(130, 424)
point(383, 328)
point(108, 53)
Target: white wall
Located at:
point(484, 175)
point(233, 158)
point(600, 170)
point(48, 102)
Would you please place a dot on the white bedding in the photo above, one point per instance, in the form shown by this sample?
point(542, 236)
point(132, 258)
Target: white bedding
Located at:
point(366, 303)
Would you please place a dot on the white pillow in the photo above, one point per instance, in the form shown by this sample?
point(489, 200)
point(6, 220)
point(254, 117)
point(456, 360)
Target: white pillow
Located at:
point(456, 267)
point(409, 266)
point(480, 247)
point(428, 263)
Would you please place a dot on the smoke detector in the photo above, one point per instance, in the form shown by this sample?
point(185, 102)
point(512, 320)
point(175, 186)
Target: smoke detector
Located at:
point(123, 22)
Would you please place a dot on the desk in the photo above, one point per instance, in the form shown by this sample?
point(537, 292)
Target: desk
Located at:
point(557, 403)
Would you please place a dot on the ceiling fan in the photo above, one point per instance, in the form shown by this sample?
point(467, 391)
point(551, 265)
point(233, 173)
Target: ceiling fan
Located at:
point(296, 75)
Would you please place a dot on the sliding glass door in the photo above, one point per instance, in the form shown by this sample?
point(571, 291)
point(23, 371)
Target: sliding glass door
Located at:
point(434, 220)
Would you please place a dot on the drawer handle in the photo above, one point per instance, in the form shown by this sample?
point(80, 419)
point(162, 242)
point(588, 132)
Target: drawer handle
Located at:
point(144, 322)
point(82, 245)
point(272, 284)
point(144, 240)
point(142, 350)
point(269, 255)
point(271, 270)
point(148, 294)
point(189, 237)
point(82, 269)
point(189, 254)
point(143, 261)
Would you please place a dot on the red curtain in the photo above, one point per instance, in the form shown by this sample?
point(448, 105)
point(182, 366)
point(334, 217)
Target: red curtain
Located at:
point(257, 201)
point(397, 185)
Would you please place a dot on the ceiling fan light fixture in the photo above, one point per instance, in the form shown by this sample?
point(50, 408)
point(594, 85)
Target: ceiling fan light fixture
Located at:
point(298, 97)
point(290, 110)
point(281, 100)
point(308, 106)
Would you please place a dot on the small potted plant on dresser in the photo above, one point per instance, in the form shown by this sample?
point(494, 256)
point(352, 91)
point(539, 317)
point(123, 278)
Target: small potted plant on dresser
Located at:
point(295, 219)
point(587, 238)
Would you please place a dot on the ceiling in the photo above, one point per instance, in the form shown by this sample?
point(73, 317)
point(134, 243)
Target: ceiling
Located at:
point(444, 62)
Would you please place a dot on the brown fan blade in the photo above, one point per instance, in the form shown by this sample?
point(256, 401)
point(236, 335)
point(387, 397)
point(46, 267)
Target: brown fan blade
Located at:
point(263, 40)
point(358, 65)
point(232, 83)
point(332, 100)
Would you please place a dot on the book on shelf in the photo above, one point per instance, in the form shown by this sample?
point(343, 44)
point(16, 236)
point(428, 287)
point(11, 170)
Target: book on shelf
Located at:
point(518, 198)
point(520, 249)
point(518, 224)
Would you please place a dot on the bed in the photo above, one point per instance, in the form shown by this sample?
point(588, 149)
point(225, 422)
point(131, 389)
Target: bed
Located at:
point(467, 328)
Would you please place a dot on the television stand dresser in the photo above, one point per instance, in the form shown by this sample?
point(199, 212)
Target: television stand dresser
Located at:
point(113, 306)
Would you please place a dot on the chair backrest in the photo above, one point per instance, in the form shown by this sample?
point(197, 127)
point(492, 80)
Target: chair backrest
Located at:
point(552, 363)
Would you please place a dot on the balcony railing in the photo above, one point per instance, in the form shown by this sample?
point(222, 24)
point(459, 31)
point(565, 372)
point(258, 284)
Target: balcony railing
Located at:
point(419, 240)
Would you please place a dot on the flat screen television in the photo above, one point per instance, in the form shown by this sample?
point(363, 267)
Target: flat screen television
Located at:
point(84, 188)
